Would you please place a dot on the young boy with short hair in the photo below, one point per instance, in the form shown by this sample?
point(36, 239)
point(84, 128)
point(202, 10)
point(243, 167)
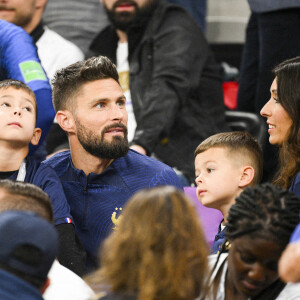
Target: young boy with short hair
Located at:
point(225, 164)
point(18, 115)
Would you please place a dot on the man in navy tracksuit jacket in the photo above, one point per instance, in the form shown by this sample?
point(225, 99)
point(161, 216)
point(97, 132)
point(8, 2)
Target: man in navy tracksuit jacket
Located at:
point(99, 174)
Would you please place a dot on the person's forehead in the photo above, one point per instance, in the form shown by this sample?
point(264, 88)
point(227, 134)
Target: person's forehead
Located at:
point(17, 92)
point(263, 248)
point(102, 88)
point(213, 153)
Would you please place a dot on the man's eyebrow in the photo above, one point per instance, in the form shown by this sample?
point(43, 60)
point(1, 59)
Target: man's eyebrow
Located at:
point(108, 99)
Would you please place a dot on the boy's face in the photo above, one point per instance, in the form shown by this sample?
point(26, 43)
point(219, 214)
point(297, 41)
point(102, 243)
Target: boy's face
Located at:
point(217, 177)
point(17, 117)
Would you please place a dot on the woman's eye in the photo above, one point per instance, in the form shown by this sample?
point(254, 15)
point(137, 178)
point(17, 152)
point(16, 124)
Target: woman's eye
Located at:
point(276, 100)
point(247, 259)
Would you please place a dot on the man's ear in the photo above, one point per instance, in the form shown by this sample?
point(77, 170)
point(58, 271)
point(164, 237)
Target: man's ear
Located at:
point(247, 176)
point(36, 136)
point(66, 121)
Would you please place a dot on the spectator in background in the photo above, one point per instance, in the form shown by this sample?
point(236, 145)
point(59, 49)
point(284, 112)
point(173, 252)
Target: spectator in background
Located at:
point(54, 51)
point(197, 9)
point(25, 66)
point(76, 20)
point(28, 246)
point(272, 36)
point(157, 252)
point(170, 78)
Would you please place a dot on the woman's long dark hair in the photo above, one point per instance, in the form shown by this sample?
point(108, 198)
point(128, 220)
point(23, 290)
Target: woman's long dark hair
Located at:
point(288, 91)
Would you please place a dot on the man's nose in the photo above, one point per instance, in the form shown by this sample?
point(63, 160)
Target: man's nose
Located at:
point(117, 113)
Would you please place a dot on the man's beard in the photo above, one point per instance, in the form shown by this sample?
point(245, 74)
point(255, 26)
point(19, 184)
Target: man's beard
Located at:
point(19, 18)
point(124, 19)
point(98, 147)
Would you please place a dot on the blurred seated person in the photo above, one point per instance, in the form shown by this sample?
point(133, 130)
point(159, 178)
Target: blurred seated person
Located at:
point(158, 250)
point(289, 263)
point(23, 196)
point(259, 227)
point(28, 246)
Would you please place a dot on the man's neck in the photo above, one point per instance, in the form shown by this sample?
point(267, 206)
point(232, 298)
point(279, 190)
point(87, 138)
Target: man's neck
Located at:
point(88, 163)
point(11, 158)
point(123, 38)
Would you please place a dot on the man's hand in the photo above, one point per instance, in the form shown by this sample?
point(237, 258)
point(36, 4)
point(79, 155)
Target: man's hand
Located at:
point(289, 263)
point(139, 149)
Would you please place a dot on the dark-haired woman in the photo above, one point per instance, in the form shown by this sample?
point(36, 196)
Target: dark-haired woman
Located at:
point(259, 227)
point(283, 118)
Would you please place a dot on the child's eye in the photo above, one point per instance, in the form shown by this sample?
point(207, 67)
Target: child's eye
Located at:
point(5, 104)
point(27, 108)
point(209, 170)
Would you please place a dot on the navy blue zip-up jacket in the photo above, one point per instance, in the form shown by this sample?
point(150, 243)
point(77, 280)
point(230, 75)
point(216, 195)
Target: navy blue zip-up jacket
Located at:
point(97, 200)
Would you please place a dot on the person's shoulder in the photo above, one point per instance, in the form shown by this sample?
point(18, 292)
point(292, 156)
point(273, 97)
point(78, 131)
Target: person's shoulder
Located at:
point(147, 171)
point(58, 161)
point(291, 292)
point(295, 186)
point(137, 159)
point(169, 13)
point(212, 259)
point(52, 36)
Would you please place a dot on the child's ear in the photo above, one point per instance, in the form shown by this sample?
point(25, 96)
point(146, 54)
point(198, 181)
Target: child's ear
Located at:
point(36, 136)
point(65, 120)
point(247, 176)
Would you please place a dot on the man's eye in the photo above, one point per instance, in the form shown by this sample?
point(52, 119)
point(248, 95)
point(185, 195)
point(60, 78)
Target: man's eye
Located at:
point(101, 105)
point(121, 103)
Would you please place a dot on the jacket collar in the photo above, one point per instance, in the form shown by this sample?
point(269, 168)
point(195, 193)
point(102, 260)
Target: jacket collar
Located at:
point(37, 32)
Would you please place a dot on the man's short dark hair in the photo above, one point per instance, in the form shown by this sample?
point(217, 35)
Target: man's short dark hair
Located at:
point(68, 81)
point(25, 196)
